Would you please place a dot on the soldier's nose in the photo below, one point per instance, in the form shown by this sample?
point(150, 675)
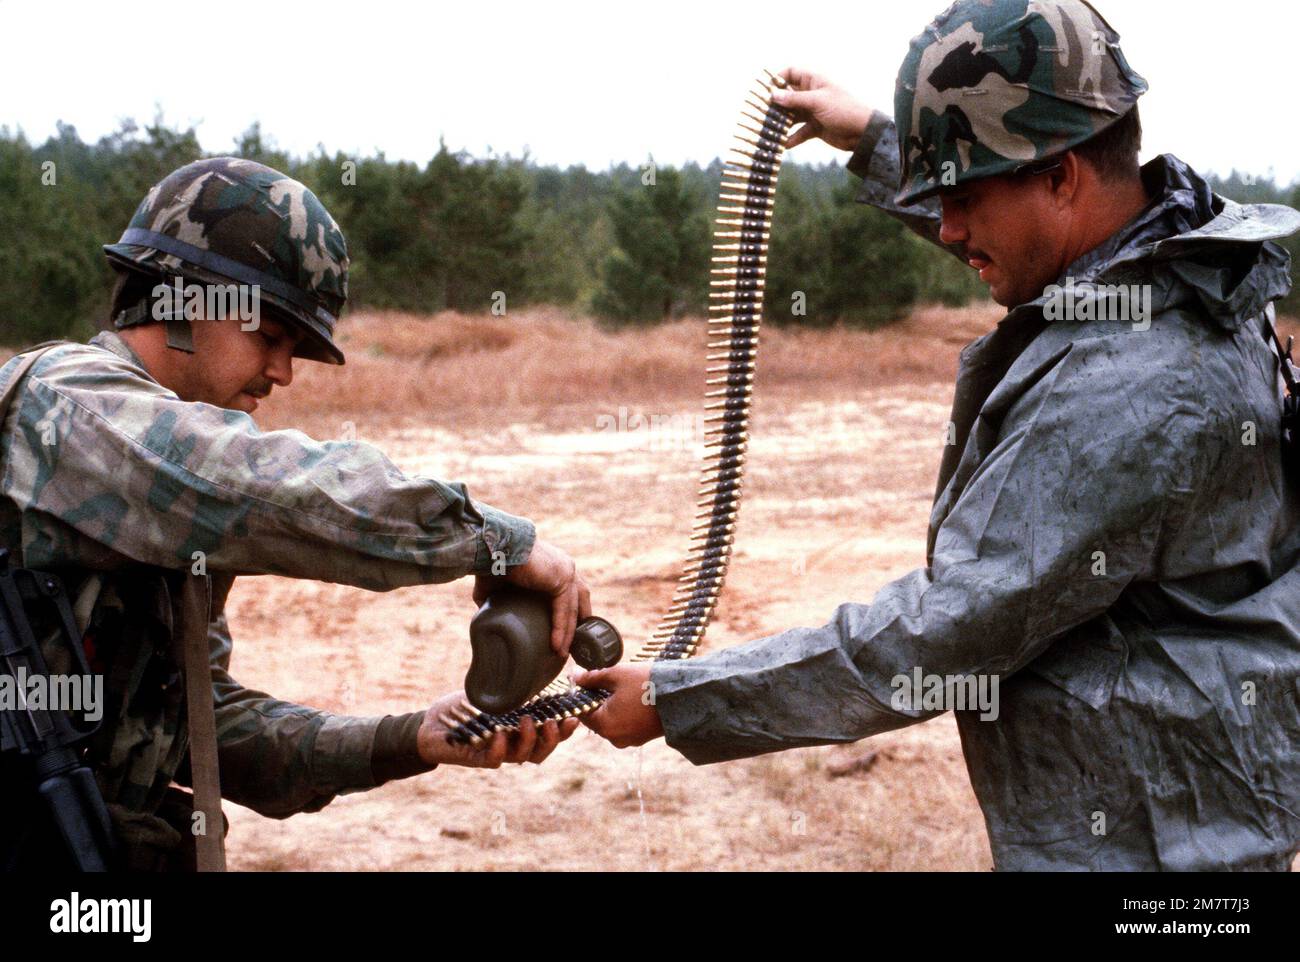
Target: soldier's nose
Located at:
point(952, 230)
point(280, 369)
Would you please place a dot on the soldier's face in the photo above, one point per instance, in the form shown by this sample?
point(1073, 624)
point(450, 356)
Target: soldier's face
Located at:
point(1012, 232)
point(233, 368)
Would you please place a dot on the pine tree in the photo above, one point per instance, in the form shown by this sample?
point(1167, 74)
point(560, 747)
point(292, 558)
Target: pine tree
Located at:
point(660, 267)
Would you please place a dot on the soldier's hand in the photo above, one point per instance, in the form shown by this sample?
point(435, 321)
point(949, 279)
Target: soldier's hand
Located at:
point(826, 111)
point(629, 717)
point(550, 571)
point(530, 744)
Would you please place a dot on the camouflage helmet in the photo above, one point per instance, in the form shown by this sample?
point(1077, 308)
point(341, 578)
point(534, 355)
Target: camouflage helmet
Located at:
point(993, 85)
point(226, 219)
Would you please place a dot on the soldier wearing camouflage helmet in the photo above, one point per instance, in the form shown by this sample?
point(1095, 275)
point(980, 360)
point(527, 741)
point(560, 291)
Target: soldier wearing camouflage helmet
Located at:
point(131, 467)
point(990, 88)
point(1115, 537)
point(230, 220)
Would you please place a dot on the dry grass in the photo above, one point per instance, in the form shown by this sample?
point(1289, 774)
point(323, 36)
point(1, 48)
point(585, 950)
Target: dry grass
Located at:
point(411, 368)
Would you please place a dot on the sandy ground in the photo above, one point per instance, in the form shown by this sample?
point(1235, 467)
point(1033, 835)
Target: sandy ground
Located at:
point(837, 498)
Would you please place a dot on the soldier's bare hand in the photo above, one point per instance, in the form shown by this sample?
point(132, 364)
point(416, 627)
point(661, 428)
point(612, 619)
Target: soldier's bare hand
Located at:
point(629, 717)
point(530, 744)
point(552, 572)
point(826, 110)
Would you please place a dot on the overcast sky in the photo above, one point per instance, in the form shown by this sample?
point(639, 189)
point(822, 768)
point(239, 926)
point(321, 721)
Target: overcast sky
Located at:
point(580, 82)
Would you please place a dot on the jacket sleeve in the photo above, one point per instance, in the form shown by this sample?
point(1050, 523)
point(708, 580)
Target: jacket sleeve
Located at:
point(104, 462)
point(875, 160)
point(280, 759)
point(1089, 468)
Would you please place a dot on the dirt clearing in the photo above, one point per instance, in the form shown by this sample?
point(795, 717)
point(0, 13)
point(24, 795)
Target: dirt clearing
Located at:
point(595, 435)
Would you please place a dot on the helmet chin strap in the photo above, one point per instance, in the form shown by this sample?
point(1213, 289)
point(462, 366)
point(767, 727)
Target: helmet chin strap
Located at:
point(180, 336)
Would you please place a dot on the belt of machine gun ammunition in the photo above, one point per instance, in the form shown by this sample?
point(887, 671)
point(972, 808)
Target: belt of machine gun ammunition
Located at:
point(735, 305)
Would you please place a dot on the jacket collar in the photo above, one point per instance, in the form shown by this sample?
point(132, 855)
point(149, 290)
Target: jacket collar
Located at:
point(1215, 250)
point(112, 341)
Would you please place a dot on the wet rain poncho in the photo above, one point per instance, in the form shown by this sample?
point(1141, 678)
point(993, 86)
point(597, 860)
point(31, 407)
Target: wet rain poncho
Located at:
point(1113, 538)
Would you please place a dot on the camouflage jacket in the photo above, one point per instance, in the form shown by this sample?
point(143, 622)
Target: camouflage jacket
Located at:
point(1114, 538)
point(115, 483)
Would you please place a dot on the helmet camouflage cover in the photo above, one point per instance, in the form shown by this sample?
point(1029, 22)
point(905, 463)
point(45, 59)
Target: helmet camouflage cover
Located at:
point(224, 220)
point(992, 85)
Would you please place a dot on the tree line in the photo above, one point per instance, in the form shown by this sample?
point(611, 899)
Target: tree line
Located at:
point(629, 244)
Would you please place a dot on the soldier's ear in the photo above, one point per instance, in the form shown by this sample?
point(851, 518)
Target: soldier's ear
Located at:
point(1063, 180)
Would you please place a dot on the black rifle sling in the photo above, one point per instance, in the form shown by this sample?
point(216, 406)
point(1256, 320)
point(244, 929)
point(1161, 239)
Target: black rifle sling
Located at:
point(1283, 352)
point(1291, 400)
